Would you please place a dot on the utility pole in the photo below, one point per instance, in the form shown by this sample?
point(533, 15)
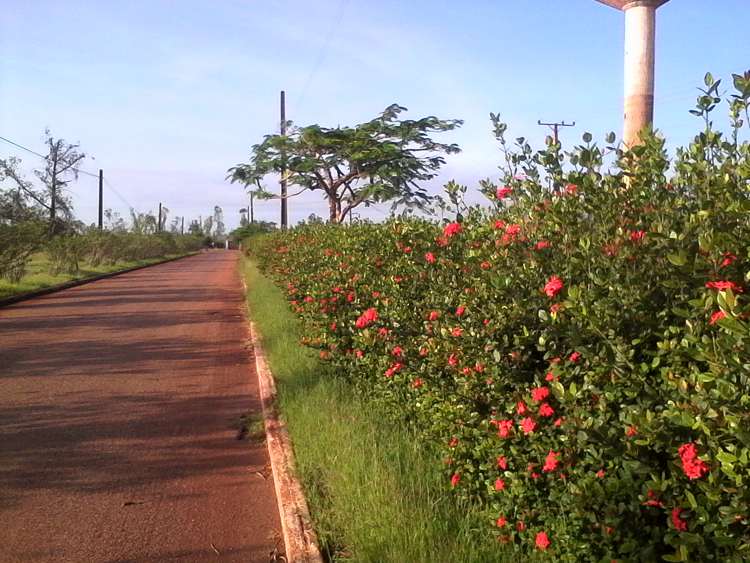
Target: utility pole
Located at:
point(283, 165)
point(182, 228)
point(101, 195)
point(640, 39)
point(556, 126)
point(158, 225)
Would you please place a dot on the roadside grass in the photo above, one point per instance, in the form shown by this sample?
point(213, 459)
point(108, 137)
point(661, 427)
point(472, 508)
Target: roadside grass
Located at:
point(38, 274)
point(375, 493)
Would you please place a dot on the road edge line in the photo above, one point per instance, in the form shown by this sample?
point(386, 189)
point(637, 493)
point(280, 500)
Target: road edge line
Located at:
point(13, 299)
point(300, 540)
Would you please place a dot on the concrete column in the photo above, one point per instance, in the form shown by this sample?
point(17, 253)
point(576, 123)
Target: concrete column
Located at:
point(640, 35)
point(640, 28)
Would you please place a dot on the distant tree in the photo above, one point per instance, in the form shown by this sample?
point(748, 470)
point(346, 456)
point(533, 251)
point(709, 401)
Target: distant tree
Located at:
point(19, 201)
point(113, 221)
point(195, 228)
point(143, 223)
point(174, 226)
point(243, 217)
point(219, 228)
point(61, 167)
point(381, 160)
point(208, 226)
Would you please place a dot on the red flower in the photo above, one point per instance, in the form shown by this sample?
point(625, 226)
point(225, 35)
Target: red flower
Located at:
point(679, 524)
point(499, 224)
point(434, 315)
point(716, 317)
point(430, 257)
point(466, 371)
point(457, 331)
point(553, 286)
point(541, 245)
point(728, 259)
point(504, 192)
point(423, 351)
point(359, 353)
point(574, 357)
point(452, 229)
point(723, 286)
point(407, 250)
point(550, 376)
point(521, 407)
point(499, 485)
point(538, 394)
point(504, 427)
point(417, 383)
point(455, 479)
point(571, 189)
point(460, 310)
point(551, 461)
point(637, 236)
point(528, 425)
point(542, 541)
point(453, 442)
point(502, 462)
point(559, 422)
point(600, 474)
point(546, 410)
point(653, 500)
point(395, 367)
point(631, 431)
point(555, 308)
point(397, 351)
point(367, 318)
point(501, 522)
point(485, 265)
point(520, 526)
point(453, 360)
point(692, 465)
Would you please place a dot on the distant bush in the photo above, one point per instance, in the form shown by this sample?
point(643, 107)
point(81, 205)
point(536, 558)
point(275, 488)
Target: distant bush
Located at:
point(580, 354)
point(17, 244)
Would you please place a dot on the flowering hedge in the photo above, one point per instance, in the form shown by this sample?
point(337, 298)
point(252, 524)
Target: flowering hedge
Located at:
point(580, 352)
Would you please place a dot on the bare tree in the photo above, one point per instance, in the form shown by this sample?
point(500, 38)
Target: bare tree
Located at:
point(61, 166)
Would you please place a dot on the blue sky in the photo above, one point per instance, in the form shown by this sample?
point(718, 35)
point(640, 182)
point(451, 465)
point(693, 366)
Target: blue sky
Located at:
point(167, 95)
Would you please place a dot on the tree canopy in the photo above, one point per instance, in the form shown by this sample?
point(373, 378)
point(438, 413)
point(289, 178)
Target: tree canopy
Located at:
point(385, 159)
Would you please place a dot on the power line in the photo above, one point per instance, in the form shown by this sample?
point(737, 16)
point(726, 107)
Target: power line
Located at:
point(321, 55)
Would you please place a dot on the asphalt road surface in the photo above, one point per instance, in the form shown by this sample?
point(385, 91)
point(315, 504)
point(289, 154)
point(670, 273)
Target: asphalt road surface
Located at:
point(120, 404)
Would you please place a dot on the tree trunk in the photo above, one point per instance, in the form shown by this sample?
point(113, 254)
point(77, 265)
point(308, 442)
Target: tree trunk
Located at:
point(333, 215)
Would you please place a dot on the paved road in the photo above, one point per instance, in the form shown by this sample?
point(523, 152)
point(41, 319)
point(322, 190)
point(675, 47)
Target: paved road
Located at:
point(119, 410)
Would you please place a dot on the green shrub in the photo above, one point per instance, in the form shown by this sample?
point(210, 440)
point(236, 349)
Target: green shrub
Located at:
point(579, 353)
point(17, 244)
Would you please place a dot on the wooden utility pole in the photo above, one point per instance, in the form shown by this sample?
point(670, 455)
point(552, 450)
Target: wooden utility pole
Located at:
point(101, 196)
point(283, 165)
point(640, 40)
point(556, 126)
point(158, 225)
point(182, 228)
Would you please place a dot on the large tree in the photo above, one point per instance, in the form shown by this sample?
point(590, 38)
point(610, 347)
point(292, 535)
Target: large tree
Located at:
point(385, 159)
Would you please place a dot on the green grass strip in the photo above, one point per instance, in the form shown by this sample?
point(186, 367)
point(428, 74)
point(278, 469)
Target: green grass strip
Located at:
point(375, 493)
point(39, 277)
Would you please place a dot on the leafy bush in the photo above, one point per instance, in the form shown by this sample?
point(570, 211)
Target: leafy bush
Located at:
point(579, 353)
point(17, 244)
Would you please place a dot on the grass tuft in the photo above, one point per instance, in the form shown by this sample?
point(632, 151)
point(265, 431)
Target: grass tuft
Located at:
point(375, 493)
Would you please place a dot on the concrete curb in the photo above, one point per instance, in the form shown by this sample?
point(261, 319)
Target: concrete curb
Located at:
point(83, 281)
point(300, 540)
